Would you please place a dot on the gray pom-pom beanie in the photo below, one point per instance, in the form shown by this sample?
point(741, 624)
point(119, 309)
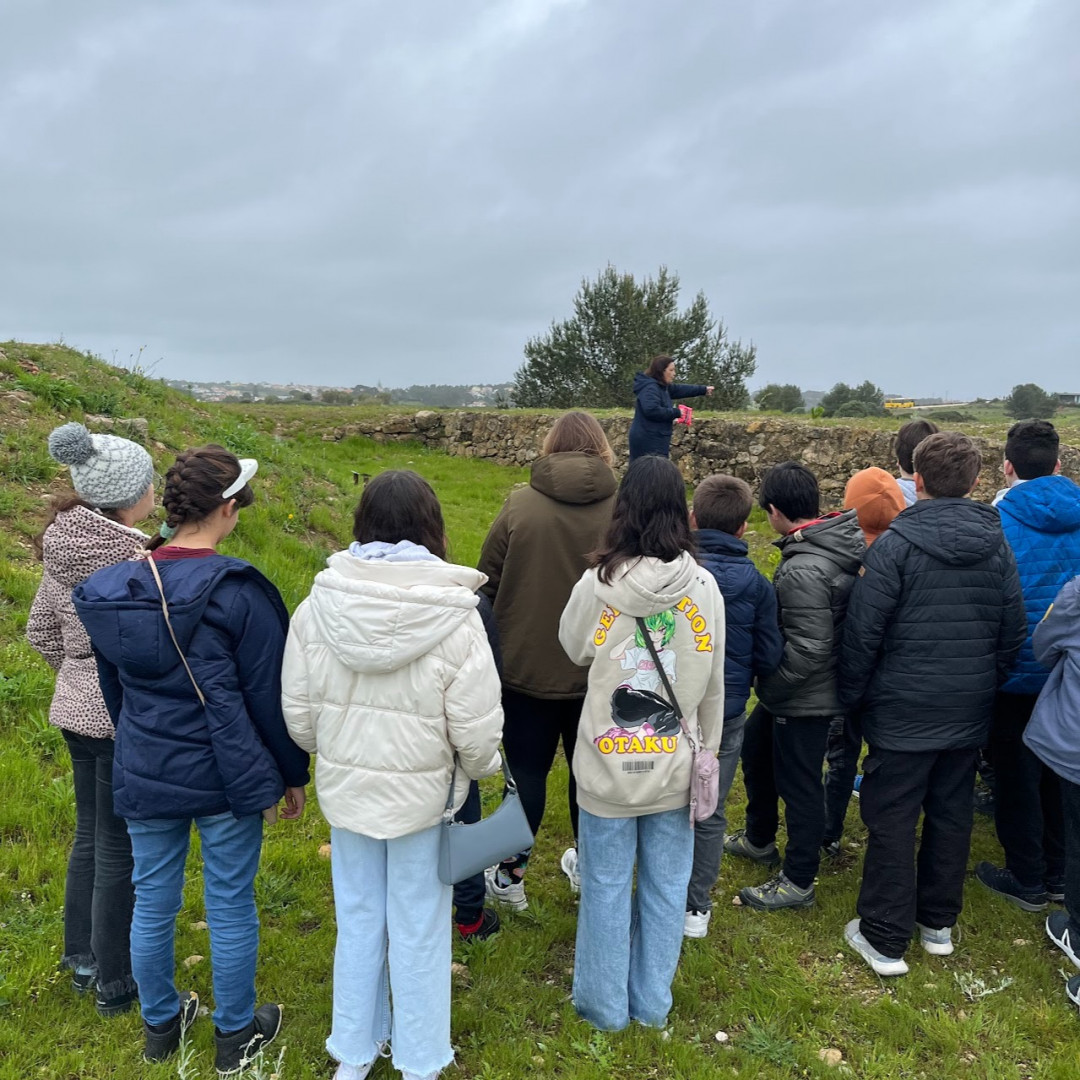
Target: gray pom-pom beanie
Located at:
point(107, 471)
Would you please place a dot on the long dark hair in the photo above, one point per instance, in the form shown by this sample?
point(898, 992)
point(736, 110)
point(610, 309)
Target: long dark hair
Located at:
point(650, 518)
point(194, 486)
point(61, 504)
point(400, 505)
point(657, 366)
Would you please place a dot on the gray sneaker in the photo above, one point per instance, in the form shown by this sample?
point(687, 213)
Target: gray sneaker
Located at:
point(736, 843)
point(935, 942)
point(879, 962)
point(777, 893)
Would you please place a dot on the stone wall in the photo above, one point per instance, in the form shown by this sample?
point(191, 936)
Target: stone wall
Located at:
point(742, 447)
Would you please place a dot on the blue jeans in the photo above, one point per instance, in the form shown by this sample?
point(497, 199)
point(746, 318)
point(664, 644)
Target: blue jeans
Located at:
point(628, 942)
point(393, 919)
point(230, 855)
point(709, 834)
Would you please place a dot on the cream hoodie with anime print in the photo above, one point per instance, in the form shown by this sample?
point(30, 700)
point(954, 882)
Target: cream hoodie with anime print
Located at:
point(631, 756)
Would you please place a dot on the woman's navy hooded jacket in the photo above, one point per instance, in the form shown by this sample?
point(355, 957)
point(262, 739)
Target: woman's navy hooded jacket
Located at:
point(650, 433)
point(174, 758)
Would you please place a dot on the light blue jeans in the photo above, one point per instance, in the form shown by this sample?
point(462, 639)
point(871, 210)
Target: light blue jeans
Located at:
point(230, 855)
point(393, 919)
point(628, 941)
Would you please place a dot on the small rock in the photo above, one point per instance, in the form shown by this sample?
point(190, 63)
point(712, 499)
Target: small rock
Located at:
point(461, 971)
point(736, 900)
point(191, 961)
point(324, 851)
point(831, 1056)
point(200, 925)
point(1020, 942)
point(721, 1036)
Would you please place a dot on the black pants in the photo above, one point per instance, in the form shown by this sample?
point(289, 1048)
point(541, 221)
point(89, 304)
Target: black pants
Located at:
point(531, 733)
point(897, 890)
point(1027, 803)
point(98, 894)
point(845, 746)
point(469, 894)
point(1070, 802)
point(785, 760)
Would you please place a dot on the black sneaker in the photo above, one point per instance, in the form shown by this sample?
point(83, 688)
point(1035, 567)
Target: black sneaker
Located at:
point(776, 894)
point(1055, 891)
point(983, 801)
point(237, 1050)
point(1003, 882)
point(1072, 990)
point(831, 849)
point(84, 979)
point(114, 1006)
point(163, 1040)
point(1059, 931)
point(487, 926)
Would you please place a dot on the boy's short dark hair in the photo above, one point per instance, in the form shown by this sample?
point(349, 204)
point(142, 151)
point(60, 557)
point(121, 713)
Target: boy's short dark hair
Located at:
point(948, 463)
point(793, 490)
point(908, 437)
point(723, 503)
point(1031, 447)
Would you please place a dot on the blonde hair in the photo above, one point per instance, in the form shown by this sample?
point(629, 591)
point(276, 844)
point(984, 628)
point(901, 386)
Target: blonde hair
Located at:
point(578, 432)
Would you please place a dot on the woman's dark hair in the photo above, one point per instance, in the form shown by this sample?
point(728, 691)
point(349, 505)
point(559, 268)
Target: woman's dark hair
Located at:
point(793, 490)
point(657, 366)
point(194, 486)
point(400, 505)
point(61, 504)
point(650, 518)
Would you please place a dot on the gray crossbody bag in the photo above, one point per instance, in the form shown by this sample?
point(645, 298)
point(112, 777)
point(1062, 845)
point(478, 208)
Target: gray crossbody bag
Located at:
point(465, 850)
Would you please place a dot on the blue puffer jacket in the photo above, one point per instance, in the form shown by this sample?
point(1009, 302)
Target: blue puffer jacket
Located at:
point(175, 759)
point(753, 645)
point(650, 433)
point(1041, 519)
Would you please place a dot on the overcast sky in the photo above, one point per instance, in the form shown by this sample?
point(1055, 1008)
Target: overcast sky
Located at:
point(352, 192)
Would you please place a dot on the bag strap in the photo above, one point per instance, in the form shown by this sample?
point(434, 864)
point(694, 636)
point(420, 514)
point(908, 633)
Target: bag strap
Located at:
point(511, 784)
point(168, 623)
point(667, 685)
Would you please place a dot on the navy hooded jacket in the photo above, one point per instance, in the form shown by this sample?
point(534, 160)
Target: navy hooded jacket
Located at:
point(1041, 519)
point(650, 433)
point(174, 758)
point(934, 624)
point(753, 644)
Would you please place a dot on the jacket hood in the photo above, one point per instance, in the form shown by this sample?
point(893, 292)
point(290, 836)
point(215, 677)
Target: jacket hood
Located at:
point(378, 616)
point(641, 380)
point(80, 541)
point(1048, 504)
point(957, 532)
point(837, 538)
point(574, 477)
point(715, 542)
point(876, 498)
point(120, 607)
point(646, 586)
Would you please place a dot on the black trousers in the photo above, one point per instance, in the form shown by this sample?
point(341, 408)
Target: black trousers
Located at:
point(897, 888)
point(98, 894)
point(1070, 802)
point(469, 894)
point(784, 760)
point(1027, 802)
point(531, 733)
point(845, 746)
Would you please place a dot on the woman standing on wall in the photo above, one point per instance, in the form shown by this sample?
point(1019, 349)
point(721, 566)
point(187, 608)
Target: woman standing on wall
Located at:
point(654, 412)
point(93, 528)
point(534, 554)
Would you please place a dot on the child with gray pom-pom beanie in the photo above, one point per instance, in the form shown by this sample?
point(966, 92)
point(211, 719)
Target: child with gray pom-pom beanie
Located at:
point(86, 531)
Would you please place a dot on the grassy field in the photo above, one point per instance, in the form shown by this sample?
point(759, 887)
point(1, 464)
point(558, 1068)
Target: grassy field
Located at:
point(782, 988)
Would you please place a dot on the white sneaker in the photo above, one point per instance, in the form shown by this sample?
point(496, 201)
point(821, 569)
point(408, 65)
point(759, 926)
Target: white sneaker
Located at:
point(936, 942)
point(696, 923)
point(512, 895)
point(568, 862)
point(352, 1072)
point(882, 965)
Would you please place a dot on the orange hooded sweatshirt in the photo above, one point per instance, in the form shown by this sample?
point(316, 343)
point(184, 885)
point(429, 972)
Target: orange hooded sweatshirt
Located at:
point(876, 498)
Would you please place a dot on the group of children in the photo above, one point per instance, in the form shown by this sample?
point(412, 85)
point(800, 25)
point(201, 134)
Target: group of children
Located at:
point(187, 697)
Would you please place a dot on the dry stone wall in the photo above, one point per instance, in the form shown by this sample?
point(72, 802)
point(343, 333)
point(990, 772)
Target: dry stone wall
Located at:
point(742, 447)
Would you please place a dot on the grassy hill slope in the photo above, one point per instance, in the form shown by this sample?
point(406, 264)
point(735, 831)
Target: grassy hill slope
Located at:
point(783, 987)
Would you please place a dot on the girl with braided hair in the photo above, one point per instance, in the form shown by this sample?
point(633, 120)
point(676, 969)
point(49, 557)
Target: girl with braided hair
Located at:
point(189, 646)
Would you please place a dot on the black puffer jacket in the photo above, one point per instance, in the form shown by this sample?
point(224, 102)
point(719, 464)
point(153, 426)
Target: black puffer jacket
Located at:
point(815, 577)
point(935, 622)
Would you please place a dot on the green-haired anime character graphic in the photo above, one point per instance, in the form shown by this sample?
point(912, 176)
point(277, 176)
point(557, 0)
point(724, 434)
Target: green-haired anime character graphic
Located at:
point(661, 628)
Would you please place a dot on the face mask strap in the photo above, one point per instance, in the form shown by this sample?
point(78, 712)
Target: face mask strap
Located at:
point(248, 468)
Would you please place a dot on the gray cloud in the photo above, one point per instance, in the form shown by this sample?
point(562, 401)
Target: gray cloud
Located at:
point(350, 193)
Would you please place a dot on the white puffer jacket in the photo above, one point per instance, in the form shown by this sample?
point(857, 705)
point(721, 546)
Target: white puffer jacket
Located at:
point(387, 673)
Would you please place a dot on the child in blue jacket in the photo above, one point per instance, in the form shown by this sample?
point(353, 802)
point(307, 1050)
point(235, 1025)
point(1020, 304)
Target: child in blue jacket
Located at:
point(753, 647)
point(189, 646)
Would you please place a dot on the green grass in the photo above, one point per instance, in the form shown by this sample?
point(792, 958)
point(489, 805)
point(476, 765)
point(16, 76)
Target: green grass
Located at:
point(781, 987)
